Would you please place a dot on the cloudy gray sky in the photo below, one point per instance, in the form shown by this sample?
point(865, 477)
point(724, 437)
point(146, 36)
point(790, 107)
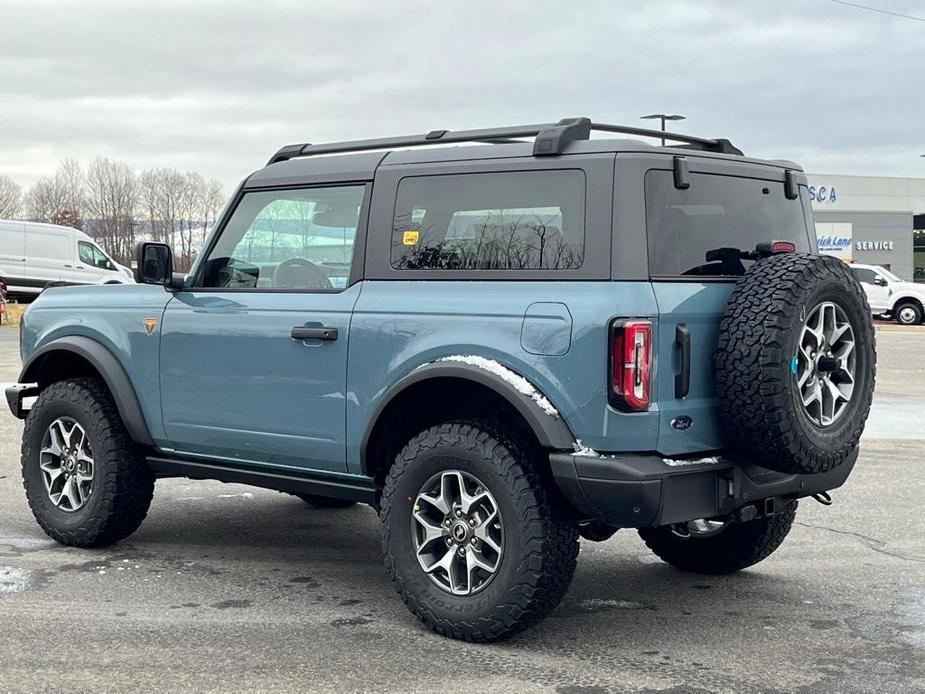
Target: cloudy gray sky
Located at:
point(217, 87)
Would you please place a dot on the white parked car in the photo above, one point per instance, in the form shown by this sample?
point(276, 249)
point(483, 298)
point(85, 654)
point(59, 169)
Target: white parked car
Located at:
point(34, 256)
point(891, 296)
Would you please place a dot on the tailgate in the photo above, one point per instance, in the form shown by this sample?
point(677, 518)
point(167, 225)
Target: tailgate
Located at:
point(688, 423)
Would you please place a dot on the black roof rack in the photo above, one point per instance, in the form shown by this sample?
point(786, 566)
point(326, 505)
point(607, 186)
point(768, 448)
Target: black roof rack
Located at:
point(551, 139)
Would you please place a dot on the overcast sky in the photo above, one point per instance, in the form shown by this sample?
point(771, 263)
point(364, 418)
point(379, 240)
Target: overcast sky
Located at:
point(217, 87)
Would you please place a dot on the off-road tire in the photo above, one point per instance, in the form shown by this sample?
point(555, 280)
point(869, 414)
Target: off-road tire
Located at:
point(736, 547)
point(760, 403)
point(540, 538)
point(122, 484)
point(325, 501)
point(917, 312)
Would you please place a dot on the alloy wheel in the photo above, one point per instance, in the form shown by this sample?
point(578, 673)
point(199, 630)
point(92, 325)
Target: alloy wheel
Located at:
point(825, 364)
point(66, 462)
point(457, 532)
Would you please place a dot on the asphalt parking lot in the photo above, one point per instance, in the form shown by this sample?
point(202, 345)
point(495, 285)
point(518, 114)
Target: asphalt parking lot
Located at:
point(228, 588)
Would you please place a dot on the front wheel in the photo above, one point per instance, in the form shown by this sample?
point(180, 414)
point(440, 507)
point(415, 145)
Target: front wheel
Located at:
point(86, 481)
point(714, 547)
point(474, 541)
point(908, 313)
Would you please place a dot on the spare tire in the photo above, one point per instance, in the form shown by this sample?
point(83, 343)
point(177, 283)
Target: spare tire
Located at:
point(795, 363)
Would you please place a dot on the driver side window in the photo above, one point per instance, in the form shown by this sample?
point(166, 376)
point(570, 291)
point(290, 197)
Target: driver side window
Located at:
point(287, 239)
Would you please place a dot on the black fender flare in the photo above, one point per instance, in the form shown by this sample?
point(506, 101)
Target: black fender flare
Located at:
point(550, 430)
point(105, 362)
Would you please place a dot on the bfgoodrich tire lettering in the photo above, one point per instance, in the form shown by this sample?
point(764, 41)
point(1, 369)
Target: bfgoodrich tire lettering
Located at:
point(758, 356)
point(540, 543)
point(122, 484)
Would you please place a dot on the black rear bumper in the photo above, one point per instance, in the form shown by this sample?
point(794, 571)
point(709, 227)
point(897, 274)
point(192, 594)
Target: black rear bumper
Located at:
point(639, 491)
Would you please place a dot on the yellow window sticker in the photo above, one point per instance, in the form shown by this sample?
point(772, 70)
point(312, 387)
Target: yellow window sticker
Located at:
point(410, 238)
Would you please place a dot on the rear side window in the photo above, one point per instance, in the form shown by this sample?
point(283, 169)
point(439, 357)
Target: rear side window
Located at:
point(529, 220)
point(717, 216)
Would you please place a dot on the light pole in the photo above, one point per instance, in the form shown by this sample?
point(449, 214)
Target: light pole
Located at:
point(666, 117)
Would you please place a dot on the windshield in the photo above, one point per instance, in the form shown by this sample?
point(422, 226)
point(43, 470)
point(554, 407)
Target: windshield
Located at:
point(889, 275)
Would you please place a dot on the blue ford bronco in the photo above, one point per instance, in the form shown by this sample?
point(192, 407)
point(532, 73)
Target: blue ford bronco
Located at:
point(502, 347)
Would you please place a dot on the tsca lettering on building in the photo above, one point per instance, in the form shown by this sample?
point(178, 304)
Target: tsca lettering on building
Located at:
point(822, 194)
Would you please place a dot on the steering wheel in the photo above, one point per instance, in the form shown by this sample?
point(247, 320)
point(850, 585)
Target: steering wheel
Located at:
point(299, 273)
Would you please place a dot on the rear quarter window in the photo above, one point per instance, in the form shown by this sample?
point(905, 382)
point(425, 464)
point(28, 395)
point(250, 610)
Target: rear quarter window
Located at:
point(529, 220)
point(717, 213)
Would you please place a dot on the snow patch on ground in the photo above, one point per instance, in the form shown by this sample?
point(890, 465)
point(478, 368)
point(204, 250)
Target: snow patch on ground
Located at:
point(27, 544)
point(599, 604)
point(691, 461)
point(14, 580)
point(520, 384)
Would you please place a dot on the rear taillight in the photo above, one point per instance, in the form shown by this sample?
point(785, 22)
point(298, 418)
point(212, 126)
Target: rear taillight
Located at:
point(631, 363)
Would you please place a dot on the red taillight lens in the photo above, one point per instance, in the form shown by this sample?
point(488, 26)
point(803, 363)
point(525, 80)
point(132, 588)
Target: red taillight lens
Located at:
point(631, 363)
point(783, 246)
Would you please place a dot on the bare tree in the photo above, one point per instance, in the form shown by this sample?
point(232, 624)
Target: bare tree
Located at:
point(161, 198)
point(10, 198)
point(191, 205)
point(45, 200)
point(112, 198)
point(71, 185)
point(213, 200)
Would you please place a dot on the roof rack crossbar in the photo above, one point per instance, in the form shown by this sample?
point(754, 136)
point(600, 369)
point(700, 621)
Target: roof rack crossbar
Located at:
point(551, 139)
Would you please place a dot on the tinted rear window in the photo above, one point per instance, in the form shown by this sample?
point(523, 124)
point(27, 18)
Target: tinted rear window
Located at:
point(529, 220)
point(715, 213)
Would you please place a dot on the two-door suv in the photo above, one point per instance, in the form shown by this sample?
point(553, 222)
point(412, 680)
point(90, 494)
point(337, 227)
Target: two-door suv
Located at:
point(502, 347)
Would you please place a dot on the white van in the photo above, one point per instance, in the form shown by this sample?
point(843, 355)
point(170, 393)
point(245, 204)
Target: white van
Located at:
point(34, 255)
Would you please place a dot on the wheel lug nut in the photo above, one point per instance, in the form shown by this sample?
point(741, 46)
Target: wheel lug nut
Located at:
point(459, 513)
point(472, 522)
point(462, 551)
point(447, 522)
point(474, 541)
point(449, 541)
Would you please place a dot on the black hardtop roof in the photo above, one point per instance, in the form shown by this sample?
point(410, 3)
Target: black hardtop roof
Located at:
point(358, 160)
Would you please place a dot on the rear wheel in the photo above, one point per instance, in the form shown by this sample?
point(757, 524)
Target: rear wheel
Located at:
point(908, 313)
point(474, 541)
point(717, 547)
point(86, 481)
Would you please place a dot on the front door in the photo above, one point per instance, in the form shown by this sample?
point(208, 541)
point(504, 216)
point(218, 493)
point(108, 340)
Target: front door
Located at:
point(254, 351)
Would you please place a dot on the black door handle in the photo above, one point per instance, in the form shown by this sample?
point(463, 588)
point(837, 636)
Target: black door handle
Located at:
point(301, 332)
point(682, 380)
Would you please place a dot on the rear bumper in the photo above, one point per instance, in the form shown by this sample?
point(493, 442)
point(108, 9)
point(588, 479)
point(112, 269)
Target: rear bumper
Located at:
point(639, 491)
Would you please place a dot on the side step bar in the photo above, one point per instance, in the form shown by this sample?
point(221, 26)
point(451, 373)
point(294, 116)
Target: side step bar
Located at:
point(350, 487)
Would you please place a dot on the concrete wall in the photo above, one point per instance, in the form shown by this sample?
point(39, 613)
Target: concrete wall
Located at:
point(895, 227)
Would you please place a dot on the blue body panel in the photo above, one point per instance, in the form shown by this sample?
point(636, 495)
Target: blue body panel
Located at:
point(221, 377)
point(397, 326)
point(699, 306)
point(236, 385)
point(114, 316)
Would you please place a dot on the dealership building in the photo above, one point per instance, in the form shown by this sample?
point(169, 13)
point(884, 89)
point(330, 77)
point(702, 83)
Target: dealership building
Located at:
point(872, 220)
